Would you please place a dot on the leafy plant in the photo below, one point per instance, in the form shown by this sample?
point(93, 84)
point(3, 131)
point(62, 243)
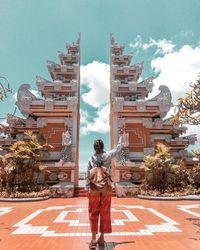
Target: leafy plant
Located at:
point(159, 164)
point(196, 152)
point(188, 107)
point(168, 178)
point(19, 166)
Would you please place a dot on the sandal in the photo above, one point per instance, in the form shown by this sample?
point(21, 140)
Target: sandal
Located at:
point(92, 244)
point(101, 242)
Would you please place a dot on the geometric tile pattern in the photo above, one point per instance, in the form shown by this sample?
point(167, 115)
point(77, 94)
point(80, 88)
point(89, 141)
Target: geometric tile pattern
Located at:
point(5, 210)
point(186, 208)
point(166, 226)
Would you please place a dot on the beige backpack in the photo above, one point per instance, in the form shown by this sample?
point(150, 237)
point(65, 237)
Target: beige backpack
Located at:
point(100, 180)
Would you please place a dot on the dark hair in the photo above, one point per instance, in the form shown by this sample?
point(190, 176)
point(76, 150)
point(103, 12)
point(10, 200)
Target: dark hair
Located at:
point(98, 146)
point(98, 163)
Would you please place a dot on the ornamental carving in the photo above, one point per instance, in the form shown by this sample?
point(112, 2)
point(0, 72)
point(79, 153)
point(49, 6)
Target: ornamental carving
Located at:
point(49, 103)
point(68, 122)
point(141, 105)
point(57, 86)
point(133, 87)
point(191, 138)
point(163, 96)
point(148, 83)
point(147, 122)
point(41, 82)
point(24, 99)
point(65, 155)
point(15, 120)
point(115, 86)
point(164, 99)
point(74, 85)
point(121, 122)
point(41, 122)
point(72, 103)
point(164, 107)
point(158, 123)
point(149, 151)
point(166, 138)
point(118, 104)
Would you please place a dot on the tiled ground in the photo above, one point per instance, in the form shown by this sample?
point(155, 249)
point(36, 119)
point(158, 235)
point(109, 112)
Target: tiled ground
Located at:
point(137, 224)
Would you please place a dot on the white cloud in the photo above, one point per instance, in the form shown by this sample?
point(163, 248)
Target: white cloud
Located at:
point(3, 122)
point(96, 77)
point(83, 117)
point(191, 129)
point(177, 70)
point(162, 46)
point(35, 93)
point(99, 124)
point(137, 43)
point(15, 96)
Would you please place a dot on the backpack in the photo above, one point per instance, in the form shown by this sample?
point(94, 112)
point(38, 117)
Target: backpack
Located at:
point(100, 180)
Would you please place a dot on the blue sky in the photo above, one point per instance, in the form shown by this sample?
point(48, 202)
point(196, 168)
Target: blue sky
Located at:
point(163, 34)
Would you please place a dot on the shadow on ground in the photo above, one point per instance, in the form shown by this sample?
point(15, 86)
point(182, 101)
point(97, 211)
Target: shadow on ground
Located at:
point(196, 222)
point(112, 245)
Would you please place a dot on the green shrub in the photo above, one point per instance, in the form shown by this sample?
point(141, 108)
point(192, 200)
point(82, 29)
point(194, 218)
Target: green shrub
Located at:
point(18, 167)
point(167, 177)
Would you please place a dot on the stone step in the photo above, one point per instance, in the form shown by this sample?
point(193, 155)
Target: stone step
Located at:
point(81, 192)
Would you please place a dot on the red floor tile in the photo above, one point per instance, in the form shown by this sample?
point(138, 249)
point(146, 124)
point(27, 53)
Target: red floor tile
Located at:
point(63, 224)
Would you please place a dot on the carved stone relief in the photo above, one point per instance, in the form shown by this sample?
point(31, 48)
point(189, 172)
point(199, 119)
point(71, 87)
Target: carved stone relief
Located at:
point(141, 105)
point(41, 122)
point(118, 103)
point(133, 86)
point(147, 122)
point(149, 151)
point(49, 103)
point(72, 103)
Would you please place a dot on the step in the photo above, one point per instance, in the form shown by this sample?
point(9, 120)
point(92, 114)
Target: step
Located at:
point(81, 192)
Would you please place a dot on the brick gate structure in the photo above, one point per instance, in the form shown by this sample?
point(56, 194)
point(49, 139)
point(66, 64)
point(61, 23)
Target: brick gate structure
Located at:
point(142, 118)
point(55, 118)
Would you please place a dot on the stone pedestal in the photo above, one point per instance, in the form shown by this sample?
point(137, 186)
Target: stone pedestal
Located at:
point(62, 190)
point(126, 189)
point(57, 172)
point(133, 172)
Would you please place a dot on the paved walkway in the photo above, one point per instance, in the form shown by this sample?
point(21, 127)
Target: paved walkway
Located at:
point(63, 224)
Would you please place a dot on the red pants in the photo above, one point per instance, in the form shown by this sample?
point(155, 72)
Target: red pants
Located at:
point(100, 205)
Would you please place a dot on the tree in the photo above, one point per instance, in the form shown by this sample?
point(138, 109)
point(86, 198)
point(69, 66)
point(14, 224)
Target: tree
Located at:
point(160, 165)
point(189, 107)
point(196, 152)
point(18, 167)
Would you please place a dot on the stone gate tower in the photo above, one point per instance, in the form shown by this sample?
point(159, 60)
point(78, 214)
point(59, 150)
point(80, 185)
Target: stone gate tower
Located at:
point(143, 119)
point(55, 118)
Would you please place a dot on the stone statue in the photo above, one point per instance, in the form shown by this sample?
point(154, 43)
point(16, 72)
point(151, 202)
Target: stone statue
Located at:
point(66, 150)
point(164, 95)
point(164, 99)
point(124, 154)
point(24, 99)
